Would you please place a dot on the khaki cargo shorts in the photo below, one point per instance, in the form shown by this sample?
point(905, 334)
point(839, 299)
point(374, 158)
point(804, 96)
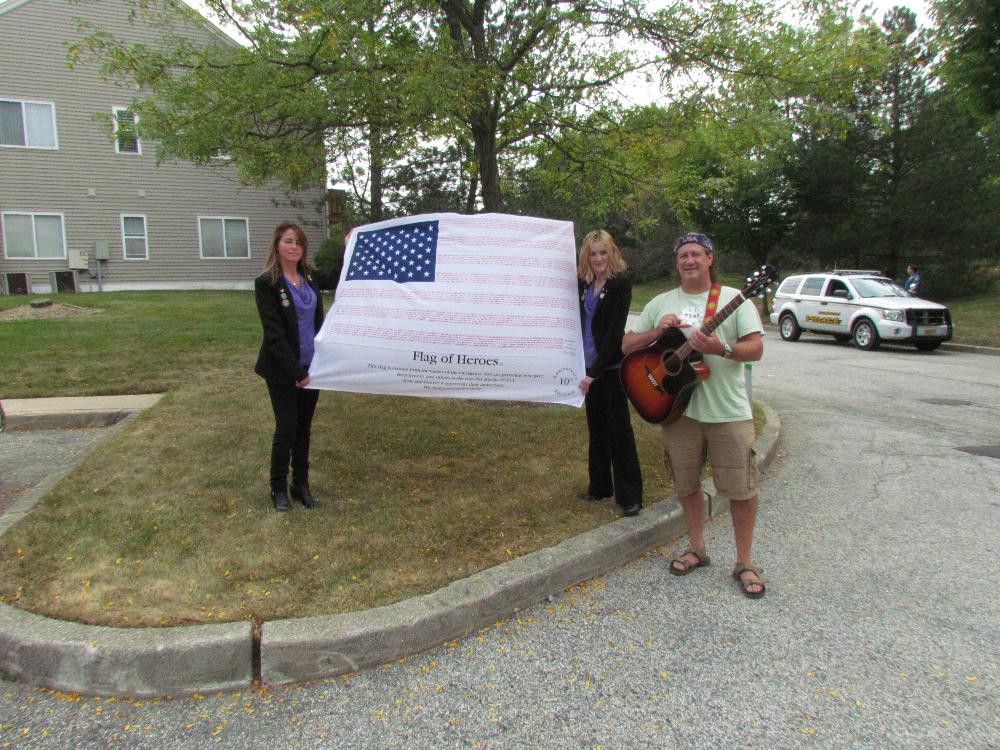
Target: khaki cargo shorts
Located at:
point(729, 447)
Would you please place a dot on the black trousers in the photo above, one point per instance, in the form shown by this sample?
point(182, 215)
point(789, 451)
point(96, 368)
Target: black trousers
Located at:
point(613, 459)
point(293, 415)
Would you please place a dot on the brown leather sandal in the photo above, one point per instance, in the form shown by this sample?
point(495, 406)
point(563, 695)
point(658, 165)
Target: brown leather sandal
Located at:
point(686, 566)
point(738, 572)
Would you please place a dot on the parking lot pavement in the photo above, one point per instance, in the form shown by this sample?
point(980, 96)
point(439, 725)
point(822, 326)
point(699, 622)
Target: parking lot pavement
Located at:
point(878, 535)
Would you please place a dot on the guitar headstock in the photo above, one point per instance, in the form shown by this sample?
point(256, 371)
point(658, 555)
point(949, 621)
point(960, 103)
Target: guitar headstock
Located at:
point(757, 281)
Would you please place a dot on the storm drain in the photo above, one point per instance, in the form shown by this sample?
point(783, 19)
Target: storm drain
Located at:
point(990, 451)
point(946, 401)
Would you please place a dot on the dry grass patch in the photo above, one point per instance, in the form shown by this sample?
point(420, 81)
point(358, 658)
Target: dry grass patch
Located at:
point(170, 523)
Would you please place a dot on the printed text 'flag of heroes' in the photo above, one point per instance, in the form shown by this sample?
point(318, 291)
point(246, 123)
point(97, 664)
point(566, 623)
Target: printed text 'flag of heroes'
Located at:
point(447, 305)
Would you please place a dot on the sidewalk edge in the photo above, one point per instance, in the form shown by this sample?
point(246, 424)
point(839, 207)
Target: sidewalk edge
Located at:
point(316, 647)
point(150, 662)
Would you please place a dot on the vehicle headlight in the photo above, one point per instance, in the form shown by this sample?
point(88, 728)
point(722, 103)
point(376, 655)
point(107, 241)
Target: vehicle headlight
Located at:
point(899, 316)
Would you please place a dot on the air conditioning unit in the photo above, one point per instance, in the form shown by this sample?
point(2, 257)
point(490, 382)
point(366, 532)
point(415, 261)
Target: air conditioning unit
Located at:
point(64, 282)
point(15, 283)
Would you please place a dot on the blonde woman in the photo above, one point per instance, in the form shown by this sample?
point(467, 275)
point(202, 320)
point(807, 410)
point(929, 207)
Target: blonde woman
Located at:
point(605, 296)
point(291, 312)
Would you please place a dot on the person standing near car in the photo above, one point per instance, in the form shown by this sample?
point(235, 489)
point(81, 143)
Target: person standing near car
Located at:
point(912, 284)
point(605, 296)
point(719, 417)
point(291, 312)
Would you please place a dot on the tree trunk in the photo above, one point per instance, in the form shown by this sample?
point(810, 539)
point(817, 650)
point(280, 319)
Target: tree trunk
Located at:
point(484, 136)
point(470, 198)
point(376, 169)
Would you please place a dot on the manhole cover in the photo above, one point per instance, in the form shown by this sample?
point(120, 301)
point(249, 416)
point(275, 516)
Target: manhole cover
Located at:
point(946, 401)
point(991, 451)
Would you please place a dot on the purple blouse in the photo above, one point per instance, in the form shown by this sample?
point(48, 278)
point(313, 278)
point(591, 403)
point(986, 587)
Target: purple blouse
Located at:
point(305, 302)
point(589, 306)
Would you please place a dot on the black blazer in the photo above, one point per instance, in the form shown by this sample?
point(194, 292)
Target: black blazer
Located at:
point(609, 322)
point(278, 360)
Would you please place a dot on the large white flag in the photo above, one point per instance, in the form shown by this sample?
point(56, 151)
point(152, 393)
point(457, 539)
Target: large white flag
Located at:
point(448, 305)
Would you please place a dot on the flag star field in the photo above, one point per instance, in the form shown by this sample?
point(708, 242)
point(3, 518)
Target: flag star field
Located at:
point(404, 253)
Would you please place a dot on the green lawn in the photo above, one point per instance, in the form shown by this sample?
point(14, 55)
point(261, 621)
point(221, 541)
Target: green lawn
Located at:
point(170, 522)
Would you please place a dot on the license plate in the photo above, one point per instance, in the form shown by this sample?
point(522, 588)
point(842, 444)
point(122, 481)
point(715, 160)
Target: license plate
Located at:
point(931, 330)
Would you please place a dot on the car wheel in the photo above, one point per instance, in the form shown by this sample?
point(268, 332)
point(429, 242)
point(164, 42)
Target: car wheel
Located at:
point(789, 328)
point(865, 336)
point(842, 337)
point(927, 346)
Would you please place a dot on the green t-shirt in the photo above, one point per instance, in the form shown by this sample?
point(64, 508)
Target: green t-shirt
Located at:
point(723, 397)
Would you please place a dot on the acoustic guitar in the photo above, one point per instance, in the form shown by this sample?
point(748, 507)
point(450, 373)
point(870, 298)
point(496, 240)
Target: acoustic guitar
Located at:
point(660, 378)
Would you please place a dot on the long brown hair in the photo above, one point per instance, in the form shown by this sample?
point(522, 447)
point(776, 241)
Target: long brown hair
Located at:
point(616, 261)
point(272, 265)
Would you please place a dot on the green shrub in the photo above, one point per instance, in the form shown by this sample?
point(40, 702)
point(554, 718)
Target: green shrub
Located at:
point(329, 258)
point(952, 281)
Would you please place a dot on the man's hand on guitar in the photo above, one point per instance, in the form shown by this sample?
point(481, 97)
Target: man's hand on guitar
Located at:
point(706, 344)
point(671, 321)
point(635, 341)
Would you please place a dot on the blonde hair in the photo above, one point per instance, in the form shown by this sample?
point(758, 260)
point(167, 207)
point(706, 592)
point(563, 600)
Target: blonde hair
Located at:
point(616, 261)
point(272, 265)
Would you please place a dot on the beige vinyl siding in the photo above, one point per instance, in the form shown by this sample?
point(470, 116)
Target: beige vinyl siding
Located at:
point(92, 186)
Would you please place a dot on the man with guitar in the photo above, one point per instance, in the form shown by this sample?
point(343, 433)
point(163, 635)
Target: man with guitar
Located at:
point(718, 414)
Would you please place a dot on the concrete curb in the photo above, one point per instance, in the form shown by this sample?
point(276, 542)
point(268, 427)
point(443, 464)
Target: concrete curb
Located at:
point(970, 348)
point(303, 649)
point(62, 413)
point(182, 660)
point(92, 659)
point(947, 346)
point(136, 662)
point(296, 650)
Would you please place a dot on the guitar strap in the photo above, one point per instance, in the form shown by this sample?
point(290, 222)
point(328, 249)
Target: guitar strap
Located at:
point(713, 302)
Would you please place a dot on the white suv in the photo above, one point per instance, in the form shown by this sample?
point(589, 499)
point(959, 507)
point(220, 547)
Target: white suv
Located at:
point(863, 306)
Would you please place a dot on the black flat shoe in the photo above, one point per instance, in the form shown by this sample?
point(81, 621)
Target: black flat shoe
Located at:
point(304, 496)
point(594, 498)
point(280, 500)
point(632, 510)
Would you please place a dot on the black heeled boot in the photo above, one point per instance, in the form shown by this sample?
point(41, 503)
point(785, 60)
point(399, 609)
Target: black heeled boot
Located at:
point(279, 496)
point(300, 492)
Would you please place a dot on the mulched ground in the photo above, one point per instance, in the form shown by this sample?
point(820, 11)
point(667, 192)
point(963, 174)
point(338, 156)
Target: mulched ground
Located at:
point(55, 310)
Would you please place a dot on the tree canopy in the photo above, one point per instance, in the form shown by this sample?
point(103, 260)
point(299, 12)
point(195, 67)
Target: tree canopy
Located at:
point(810, 139)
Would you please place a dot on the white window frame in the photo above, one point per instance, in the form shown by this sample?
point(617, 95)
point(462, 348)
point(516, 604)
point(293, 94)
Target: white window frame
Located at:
point(24, 124)
point(145, 236)
point(34, 231)
point(225, 250)
point(135, 120)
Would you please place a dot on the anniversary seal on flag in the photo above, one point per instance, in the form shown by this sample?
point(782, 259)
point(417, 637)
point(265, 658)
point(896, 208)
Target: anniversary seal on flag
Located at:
point(448, 305)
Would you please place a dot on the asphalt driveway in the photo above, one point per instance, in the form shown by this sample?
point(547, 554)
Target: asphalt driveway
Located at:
point(879, 536)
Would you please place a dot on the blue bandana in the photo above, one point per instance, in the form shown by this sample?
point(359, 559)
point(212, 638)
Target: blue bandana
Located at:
point(697, 238)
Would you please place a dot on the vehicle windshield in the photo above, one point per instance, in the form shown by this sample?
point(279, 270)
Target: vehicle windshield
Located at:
point(879, 288)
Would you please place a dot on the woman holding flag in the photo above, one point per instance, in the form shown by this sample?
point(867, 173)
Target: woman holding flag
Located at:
point(605, 296)
point(291, 312)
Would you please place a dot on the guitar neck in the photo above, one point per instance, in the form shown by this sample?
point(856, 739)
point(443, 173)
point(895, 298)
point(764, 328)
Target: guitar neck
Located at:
point(719, 318)
point(709, 326)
